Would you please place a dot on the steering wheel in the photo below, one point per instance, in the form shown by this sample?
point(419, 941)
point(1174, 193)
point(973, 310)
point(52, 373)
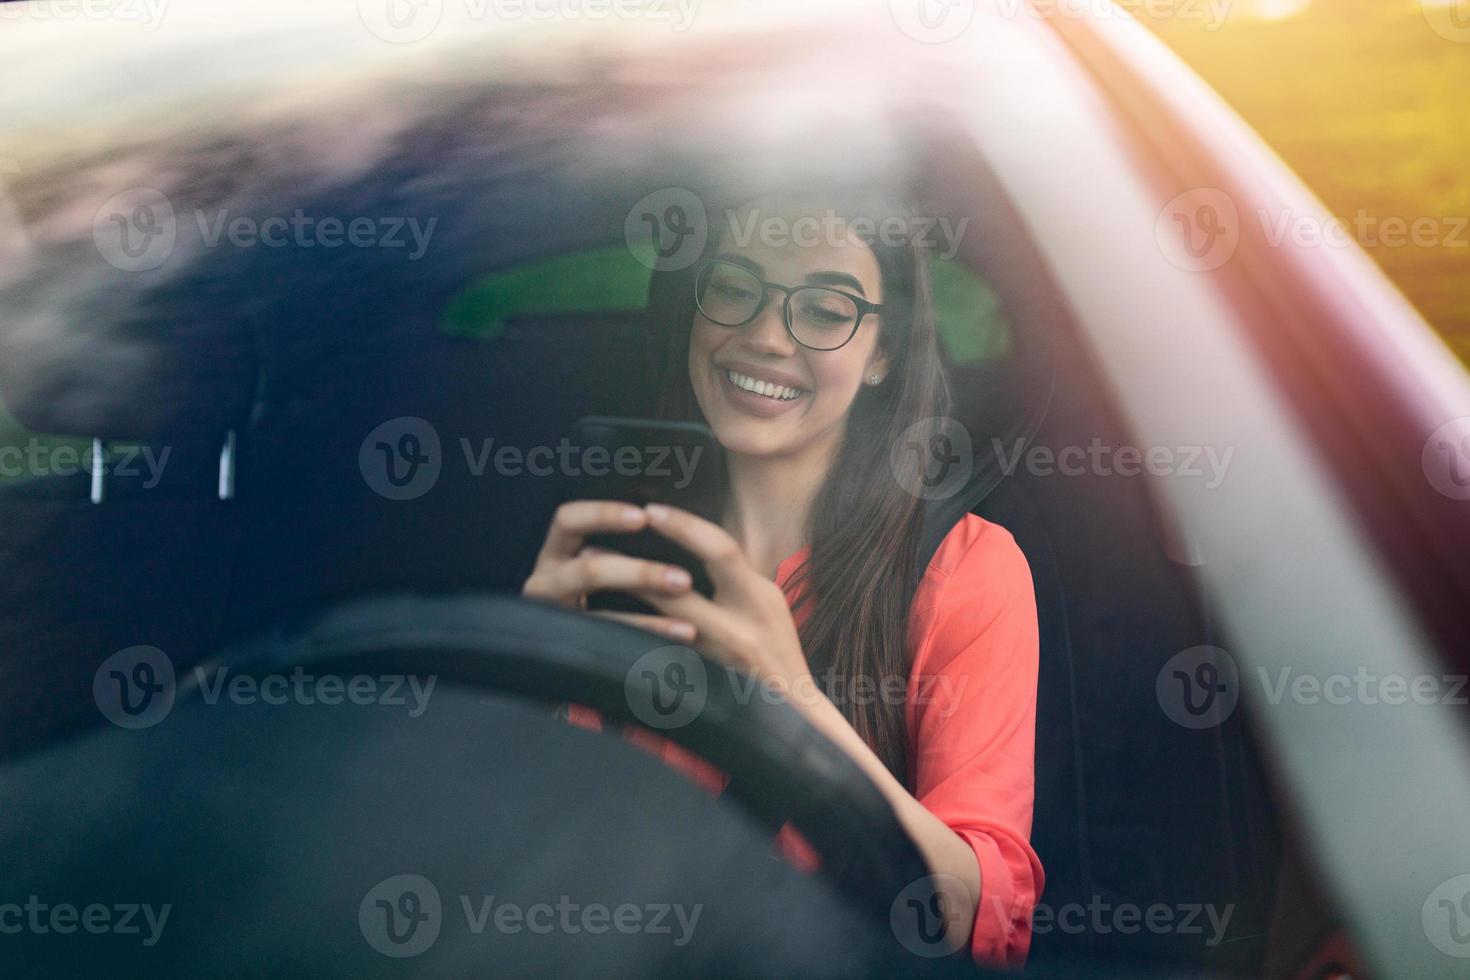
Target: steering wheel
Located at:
point(781, 769)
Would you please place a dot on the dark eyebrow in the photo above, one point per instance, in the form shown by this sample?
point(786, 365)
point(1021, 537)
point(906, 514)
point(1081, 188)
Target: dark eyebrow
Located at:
point(829, 278)
point(743, 262)
point(837, 279)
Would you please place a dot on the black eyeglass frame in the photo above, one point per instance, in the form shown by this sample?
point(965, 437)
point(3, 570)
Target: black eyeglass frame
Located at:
point(863, 306)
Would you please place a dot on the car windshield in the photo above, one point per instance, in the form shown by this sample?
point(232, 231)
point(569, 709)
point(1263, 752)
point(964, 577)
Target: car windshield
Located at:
point(568, 498)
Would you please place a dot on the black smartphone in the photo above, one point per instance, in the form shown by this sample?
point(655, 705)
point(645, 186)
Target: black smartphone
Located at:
point(648, 461)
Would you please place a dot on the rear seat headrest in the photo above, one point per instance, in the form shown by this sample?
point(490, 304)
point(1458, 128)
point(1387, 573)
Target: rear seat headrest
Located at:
point(113, 361)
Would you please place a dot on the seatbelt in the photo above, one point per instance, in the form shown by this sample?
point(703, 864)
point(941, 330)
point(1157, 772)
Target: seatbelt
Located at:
point(941, 516)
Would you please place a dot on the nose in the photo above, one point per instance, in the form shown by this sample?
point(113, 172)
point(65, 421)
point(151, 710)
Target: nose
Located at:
point(767, 334)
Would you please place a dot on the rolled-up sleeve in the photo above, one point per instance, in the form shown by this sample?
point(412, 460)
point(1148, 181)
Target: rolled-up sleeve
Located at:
point(972, 722)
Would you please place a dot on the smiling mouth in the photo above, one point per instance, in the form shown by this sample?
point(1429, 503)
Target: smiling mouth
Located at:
point(764, 389)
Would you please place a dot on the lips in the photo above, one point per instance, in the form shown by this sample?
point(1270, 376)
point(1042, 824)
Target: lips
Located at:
point(764, 394)
point(766, 389)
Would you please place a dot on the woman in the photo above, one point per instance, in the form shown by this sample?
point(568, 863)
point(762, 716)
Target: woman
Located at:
point(809, 356)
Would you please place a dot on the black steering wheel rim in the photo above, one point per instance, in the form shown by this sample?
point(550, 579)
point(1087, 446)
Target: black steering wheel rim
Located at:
point(781, 768)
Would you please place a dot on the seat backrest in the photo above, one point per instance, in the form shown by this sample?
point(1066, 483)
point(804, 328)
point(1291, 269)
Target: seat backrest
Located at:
point(115, 533)
point(1131, 809)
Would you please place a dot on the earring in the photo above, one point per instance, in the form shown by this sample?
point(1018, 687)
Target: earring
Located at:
point(874, 378)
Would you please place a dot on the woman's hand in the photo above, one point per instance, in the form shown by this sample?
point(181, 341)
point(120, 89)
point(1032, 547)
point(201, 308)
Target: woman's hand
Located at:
point(567, 570)
point(747, 624)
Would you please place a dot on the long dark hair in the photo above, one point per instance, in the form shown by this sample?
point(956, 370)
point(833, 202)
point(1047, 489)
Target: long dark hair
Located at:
point(865, 521)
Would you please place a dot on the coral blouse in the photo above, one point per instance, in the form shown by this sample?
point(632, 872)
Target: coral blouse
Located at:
point(971, 719)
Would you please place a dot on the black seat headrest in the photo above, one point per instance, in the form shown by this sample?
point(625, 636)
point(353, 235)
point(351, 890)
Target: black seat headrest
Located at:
point(86, 350)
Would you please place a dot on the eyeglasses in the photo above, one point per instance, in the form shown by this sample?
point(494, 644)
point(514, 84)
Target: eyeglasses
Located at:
point(816, 317)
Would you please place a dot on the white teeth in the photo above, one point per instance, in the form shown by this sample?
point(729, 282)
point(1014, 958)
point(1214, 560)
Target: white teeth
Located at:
point(765, 388)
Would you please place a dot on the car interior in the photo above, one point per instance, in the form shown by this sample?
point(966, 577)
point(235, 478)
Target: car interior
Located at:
point(531, 312)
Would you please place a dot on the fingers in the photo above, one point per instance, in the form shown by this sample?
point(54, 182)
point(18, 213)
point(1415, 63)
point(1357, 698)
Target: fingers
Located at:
point(594, 570)
point(577, 519)
point(674, 629)
point(709, 542)
point(715, 627)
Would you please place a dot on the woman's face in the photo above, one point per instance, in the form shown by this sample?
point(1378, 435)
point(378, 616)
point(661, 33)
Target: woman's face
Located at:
point(721, 359)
